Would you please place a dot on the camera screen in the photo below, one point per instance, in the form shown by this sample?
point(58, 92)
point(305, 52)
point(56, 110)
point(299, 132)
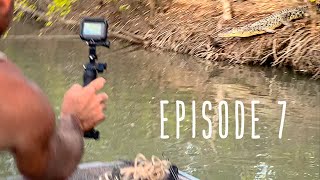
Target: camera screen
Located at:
point(93, 29)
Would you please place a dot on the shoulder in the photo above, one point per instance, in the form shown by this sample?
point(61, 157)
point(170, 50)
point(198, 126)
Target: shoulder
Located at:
point(26, 109)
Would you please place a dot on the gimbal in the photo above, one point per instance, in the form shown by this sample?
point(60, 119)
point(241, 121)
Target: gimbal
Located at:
point(94, 32)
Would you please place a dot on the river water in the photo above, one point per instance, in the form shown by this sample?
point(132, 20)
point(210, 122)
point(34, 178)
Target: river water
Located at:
point(137, 80)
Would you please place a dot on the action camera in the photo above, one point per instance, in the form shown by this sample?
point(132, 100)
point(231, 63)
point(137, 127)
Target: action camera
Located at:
point(94, 30)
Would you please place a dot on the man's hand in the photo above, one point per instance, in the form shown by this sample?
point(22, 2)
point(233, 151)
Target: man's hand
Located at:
point(85, 104)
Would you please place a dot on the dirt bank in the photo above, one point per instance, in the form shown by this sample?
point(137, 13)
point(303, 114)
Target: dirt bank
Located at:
point(191, 27)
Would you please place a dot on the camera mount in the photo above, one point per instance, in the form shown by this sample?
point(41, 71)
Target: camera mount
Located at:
point(94, 32)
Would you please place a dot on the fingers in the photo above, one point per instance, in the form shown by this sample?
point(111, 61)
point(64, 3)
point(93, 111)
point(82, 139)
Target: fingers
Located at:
point(96, 84)
point(102, 97)
point(99, 116)
point(75, 87)
point(103, 107)
point(87, 103)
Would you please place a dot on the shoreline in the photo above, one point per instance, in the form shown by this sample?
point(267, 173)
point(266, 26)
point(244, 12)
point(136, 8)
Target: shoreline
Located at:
point(192, 29)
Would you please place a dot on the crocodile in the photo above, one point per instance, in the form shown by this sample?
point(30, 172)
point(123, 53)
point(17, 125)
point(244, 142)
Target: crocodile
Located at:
point(268, 24)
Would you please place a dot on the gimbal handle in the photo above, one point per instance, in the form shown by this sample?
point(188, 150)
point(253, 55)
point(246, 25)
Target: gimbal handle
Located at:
point(90, 74)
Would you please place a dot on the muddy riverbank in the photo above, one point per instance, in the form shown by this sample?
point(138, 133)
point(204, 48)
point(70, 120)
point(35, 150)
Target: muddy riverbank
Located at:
point(191, 27)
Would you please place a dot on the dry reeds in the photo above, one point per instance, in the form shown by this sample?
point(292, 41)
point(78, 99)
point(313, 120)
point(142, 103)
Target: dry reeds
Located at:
point(192, 29)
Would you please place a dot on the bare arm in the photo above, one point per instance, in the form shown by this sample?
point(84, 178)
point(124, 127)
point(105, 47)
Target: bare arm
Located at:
point(57, 157)
point(59, 160)
point(66, 148)
point(27, 124)
point(27, 121)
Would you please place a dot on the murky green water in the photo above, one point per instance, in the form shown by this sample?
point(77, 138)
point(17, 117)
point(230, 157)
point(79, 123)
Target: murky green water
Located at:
point(138, 80)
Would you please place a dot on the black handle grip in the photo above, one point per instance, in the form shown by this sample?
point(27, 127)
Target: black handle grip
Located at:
point(89, 75)
point(92, 134)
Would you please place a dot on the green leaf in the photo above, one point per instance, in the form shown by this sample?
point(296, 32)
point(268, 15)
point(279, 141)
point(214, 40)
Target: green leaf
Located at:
point(49, 23)
point(124, 7)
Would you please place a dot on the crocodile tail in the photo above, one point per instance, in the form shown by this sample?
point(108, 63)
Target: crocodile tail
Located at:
point(224, 34)
point(230, 33)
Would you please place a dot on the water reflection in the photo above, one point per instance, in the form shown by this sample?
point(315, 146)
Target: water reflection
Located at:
point(138, 80)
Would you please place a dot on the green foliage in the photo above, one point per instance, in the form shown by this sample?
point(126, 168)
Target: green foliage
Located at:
point(49, 23)
point(18, 16)
point(22, 3)
point(60, 7)
point(25, 3)
point(124, 7)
